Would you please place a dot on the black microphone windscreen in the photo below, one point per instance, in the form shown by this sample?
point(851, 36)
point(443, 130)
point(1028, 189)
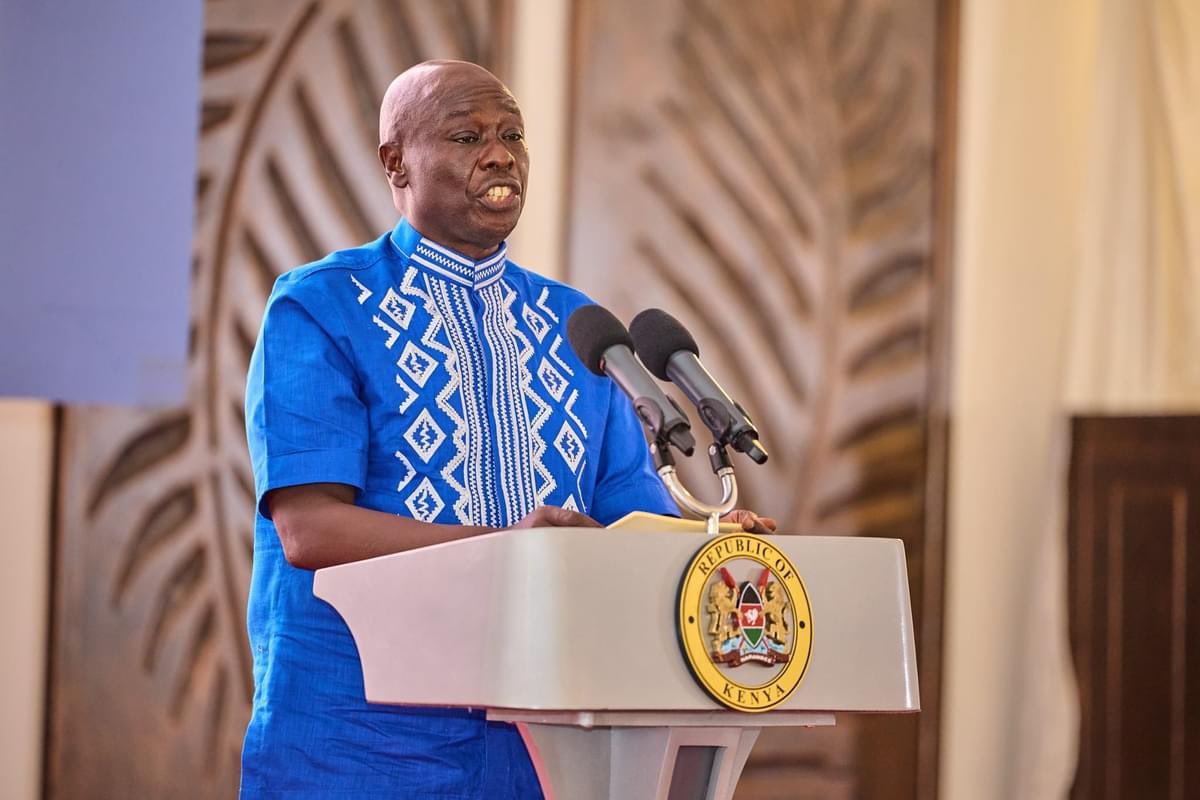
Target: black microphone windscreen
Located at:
point(657, 336)
point(592, 330)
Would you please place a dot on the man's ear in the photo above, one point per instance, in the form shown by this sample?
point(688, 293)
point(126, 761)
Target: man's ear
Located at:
point(393, 164)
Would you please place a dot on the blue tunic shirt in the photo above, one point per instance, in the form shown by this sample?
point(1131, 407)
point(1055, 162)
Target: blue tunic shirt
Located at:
point(442, 389)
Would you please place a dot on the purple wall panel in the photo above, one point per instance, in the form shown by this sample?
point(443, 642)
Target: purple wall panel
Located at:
point(97, 171)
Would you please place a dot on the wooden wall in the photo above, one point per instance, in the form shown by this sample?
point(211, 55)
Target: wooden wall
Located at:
point(150, 680)
point(768, 172)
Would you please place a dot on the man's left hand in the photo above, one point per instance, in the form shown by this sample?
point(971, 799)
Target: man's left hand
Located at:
point(751, 522)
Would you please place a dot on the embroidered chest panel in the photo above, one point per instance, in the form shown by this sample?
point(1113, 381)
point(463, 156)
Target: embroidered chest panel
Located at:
point(480, 411)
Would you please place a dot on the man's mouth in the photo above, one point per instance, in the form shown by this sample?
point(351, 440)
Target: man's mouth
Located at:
point(500, 197)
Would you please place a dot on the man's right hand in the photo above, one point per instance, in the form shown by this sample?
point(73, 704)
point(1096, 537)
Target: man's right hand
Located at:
point(556, 517)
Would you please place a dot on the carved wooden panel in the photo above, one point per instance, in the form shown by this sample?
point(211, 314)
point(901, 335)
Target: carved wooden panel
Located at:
point(1134, 580)
point(766, 171)
point(150, 676)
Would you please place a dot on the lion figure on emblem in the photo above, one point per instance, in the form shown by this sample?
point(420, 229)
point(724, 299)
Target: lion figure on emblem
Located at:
point(722, 614)
point(774, 606)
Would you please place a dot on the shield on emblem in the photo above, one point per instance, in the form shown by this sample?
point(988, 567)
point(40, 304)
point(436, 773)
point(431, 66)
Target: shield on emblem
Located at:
point(750, 614)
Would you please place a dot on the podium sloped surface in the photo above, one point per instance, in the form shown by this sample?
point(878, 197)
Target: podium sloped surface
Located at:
point(560, 619)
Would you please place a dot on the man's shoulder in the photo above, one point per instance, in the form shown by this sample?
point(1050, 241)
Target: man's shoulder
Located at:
point(315, 275)
point(545, 291)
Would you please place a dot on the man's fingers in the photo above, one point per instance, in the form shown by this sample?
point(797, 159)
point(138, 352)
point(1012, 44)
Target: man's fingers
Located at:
point(556, 517)
point(566, 518)
point(754, 524)
point(751, 522)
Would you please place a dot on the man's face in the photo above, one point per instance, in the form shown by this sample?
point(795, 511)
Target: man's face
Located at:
point(465, 162)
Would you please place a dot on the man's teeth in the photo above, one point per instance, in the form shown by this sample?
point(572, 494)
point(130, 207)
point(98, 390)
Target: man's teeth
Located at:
point(498, 193)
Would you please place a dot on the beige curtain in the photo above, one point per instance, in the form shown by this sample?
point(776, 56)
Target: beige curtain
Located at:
point(1135, 334)
point(1134, 320)
point(1077, 290)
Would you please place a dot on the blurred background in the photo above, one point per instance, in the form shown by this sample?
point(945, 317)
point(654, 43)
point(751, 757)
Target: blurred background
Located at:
point(946, 251)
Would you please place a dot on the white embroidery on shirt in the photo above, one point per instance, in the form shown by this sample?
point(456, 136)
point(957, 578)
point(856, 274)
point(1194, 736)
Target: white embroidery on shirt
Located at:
point(518, 456)
point(417, 364)
point(424, 435)
point(571, 413)
point(541, 303)
point(409, 394)
point(409, 472)
point(425, 504)
point(397, 308)
point(502, 387)
point(558, 340)
point(363, 292)
point(452, 303)
point(537, 324)
point(444, 401)
point(392, 333)
point(569, 446)
point(552, 379)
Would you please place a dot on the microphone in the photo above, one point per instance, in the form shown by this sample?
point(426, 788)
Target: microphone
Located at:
point(603, 345)
point(670, 353)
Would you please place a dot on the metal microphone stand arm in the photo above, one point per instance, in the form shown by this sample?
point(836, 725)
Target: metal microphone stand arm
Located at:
point(722, 468)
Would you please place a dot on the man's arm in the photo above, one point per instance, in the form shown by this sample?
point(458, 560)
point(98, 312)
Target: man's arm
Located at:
point(319, 526)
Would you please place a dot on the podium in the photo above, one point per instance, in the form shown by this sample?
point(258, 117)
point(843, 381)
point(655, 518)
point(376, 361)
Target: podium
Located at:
point(573, 635)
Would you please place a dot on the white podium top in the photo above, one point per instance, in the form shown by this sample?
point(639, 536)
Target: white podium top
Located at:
point(562, 619)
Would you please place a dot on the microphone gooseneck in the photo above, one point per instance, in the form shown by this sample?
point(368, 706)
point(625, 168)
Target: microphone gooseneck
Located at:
point(605, 347)
point(670, 353)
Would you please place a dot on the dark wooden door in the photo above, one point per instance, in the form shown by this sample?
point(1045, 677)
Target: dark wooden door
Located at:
point(1134, 546)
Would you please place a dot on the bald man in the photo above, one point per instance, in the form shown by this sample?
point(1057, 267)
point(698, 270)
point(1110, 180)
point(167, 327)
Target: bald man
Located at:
point(415, 390)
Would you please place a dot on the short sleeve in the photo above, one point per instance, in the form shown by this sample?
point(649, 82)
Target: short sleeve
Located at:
point(305, 421)
point(626, 480)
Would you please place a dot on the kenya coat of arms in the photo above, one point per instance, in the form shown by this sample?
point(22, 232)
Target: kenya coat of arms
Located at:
point(745, 625)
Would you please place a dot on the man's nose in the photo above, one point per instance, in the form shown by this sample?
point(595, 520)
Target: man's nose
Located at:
point(497, 156)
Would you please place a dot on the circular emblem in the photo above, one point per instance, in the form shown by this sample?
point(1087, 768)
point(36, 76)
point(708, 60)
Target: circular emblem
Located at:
point(744, 622)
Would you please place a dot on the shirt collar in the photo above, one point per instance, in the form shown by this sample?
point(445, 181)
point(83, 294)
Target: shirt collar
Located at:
point(447, 263)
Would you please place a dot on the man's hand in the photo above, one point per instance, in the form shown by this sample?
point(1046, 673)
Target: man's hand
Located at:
point(555, 517)
point(751, 522)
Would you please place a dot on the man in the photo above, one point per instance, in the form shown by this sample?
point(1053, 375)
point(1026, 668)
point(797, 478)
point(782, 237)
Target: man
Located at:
point(412, 391)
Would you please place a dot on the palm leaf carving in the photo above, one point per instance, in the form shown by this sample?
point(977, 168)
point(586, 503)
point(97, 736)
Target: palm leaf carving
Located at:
point(156, 508)
point(777, 198)
point(763, 171)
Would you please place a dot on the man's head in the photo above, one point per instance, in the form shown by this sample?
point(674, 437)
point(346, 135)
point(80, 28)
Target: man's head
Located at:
point(452, 143)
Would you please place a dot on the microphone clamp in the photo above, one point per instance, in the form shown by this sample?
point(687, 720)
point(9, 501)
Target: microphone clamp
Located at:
point(664, 463)
point(664, 431)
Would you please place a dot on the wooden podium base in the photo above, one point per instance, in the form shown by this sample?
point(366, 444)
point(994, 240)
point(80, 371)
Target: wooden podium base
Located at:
point(642, 755)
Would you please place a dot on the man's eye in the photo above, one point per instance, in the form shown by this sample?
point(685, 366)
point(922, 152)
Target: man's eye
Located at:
point(514, 136)
point(465, 138)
